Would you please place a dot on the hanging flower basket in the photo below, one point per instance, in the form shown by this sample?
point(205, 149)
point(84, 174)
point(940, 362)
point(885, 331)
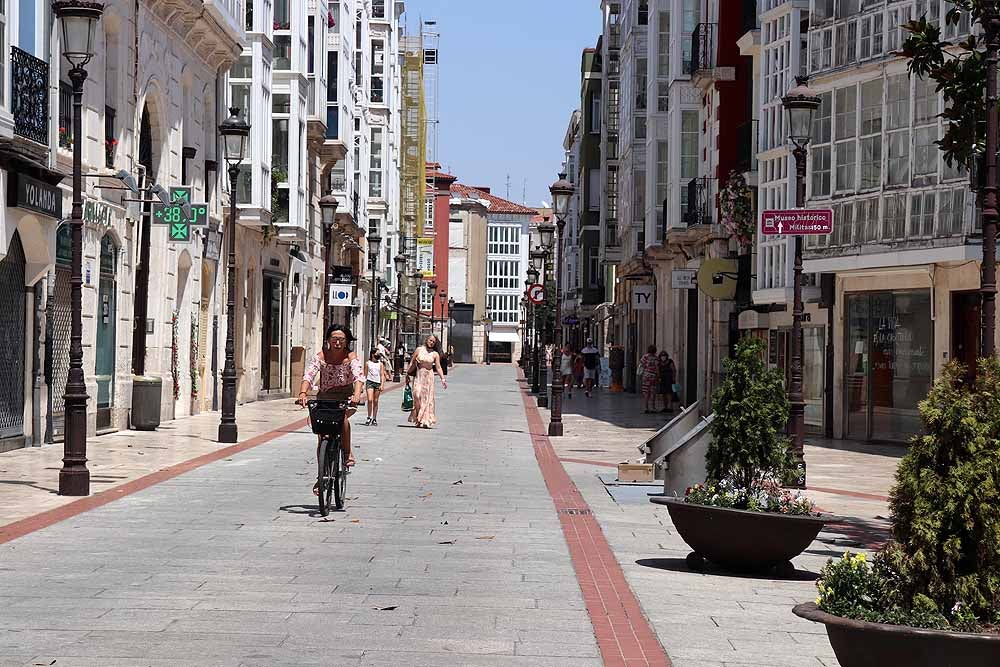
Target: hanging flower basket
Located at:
point(736, 207)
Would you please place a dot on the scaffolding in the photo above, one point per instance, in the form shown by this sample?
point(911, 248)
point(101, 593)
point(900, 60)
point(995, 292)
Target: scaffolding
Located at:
point(413, 140)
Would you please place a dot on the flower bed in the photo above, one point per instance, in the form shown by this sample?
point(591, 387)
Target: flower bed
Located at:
point(764, 496)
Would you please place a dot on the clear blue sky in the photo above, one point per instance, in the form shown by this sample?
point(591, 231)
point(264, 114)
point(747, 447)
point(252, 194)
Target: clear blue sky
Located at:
point(509, 79)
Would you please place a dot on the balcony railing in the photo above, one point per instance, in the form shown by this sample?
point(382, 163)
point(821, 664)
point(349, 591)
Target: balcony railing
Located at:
point(29, 96)
point(703, 48)
point(699, 202)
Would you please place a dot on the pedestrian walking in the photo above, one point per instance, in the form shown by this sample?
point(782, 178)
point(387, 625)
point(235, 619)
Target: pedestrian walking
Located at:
point(650, 367)
point(376, 374)
point(566, 368)
point(591, 362)
point(425, 362)
point(335, 372)
point(668, 376)
point(578, 370)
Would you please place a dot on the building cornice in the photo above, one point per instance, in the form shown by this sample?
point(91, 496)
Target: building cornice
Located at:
point(203, 25)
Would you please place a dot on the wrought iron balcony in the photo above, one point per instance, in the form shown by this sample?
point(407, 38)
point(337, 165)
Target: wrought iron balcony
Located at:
point(699, 202)
point(29, 96)
point(703, 48)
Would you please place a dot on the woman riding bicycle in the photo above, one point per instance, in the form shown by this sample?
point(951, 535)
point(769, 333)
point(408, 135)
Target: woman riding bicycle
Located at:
point(336, 373)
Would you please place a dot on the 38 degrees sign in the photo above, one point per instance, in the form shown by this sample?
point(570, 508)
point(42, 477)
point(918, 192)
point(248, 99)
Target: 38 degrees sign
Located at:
point(173, 215)
point(796, 222)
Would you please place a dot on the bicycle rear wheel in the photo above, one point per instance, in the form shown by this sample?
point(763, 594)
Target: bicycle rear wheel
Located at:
point(340, 476)
point(325, 483)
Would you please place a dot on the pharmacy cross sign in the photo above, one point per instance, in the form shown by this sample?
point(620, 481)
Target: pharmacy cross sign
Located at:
point(180, 226)
point(797, 222)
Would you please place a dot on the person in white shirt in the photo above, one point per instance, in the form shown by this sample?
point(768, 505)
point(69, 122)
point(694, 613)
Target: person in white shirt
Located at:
point(591, 362)
point(375, 375)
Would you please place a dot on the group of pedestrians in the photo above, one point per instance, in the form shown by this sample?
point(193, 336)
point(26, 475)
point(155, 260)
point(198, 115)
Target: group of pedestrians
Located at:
point(580, 368)
point(659, 378)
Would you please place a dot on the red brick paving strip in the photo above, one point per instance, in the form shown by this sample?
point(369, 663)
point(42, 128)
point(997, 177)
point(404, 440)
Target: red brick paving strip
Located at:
point(17, 529)
point(624, 636)
point(850, 494)
point(603, 464)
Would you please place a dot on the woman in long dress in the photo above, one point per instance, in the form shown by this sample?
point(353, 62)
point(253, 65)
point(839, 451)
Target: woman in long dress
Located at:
point(425, 362)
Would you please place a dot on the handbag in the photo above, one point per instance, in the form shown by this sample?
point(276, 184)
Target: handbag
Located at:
point(407, 405)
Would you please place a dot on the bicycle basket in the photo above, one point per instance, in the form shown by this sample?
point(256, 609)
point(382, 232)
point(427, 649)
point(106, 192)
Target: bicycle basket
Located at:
point(326, 417)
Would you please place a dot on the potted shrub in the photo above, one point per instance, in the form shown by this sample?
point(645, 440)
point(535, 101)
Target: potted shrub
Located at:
point(725, 518)
point(932, 595)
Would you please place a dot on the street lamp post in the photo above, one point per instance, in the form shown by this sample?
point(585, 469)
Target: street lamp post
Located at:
point(235, 132)
point(443, 296)
point(451, 320)
point(373, 243)
point(523, 360)
point(78, 20)
point(529, 372)
point(800, 104)
point(328, 209)
point(400, 261)
point(418, 279)
point(562, 192)
point(433, 287)
point(487, 325)
point(546, 233)
point(537, 260)
point(988, 280)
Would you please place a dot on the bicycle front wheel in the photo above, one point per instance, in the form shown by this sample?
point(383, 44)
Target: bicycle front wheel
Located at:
point(340, 476)
point(325, 483)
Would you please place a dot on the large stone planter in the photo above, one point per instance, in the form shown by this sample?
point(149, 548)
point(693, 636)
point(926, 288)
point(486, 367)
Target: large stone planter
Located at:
point(863, 644)
point(740, 540)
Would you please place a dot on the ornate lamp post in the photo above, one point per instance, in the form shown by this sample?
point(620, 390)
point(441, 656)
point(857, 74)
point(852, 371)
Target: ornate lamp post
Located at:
point(78, 20)
point(418, 279)
point(400, 262)
point(235, 131)
point(562, 192)
point(988, 280)
point(374, 241)
point(546, 234)
point(487, 326)
point(800, 104)
point(434, 287)
point(451, 320)
point(537, 261)
point(524, 333)
point(328, 209)
point(443, 296)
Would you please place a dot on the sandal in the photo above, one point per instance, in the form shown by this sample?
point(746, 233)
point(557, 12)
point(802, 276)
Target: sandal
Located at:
point(316, 489)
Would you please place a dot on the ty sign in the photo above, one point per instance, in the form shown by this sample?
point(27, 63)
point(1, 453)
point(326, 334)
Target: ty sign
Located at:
point(797, 221)
point(642, 297)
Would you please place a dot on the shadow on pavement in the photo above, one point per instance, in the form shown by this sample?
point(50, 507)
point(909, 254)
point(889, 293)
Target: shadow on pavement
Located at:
point(308, 510)
point(680, 565)
point(895, 451)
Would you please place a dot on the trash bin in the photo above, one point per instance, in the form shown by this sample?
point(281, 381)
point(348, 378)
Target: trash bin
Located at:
point(616, 363)
point(146, 395)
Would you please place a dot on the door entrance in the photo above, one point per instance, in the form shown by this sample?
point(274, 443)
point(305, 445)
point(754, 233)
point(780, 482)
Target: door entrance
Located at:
point(887, 360)
point(965, 331)
point(105, 349)
point(12, 319)
point(270, 358)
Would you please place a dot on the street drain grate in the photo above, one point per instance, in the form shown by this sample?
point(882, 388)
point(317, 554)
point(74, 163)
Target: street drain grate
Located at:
point(575, 512)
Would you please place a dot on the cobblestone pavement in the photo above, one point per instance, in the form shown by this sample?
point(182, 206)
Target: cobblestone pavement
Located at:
point(478, 543)
point(450, 553)
point(713, 618)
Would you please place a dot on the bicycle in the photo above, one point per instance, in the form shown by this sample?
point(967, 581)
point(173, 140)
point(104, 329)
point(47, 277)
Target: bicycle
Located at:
point(327, 420)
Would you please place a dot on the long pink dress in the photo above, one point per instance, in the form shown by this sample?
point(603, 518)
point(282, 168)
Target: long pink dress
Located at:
point(423, 388)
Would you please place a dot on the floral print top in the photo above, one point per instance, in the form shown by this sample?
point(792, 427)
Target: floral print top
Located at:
point(332, 376)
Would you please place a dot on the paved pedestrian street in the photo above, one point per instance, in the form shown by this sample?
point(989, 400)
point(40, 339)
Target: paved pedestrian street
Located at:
point(470, 544)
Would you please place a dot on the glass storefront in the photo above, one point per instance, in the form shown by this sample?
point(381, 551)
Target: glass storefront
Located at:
point(813, 368)
point(888, 365)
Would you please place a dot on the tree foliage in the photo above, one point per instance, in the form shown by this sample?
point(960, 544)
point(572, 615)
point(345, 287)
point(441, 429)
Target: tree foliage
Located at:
point(748, 430)
point(946, 500)
point(958, 69)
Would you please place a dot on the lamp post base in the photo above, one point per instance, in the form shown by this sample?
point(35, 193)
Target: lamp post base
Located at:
point(228, 433)
point(543, 400)
point(74, 481)
point(555, 429)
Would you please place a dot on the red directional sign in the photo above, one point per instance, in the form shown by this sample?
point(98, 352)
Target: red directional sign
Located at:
point(797, 221)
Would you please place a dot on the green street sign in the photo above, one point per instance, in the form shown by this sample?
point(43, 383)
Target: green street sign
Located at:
point(180, 232)
point(169, 215)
